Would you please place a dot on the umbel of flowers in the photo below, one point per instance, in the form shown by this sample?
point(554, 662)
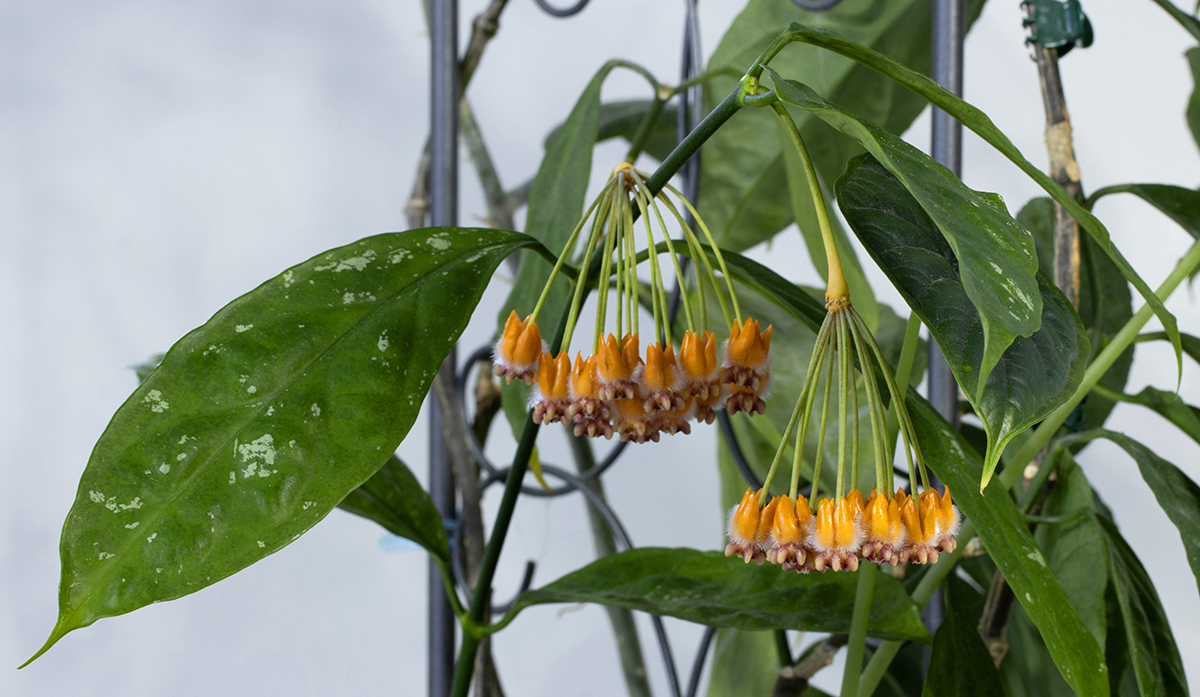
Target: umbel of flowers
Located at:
point(618, 389)
point(837, 532)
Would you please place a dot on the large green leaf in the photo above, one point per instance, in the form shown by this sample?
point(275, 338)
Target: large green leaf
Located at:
point(1152, 650)
point(1034, 375)
point(960, 665)
point(996, 257)
point(1191, 343)
point(981, 125)
point(1178, 495)
point(1006, 537)
point(1076, 549)
point(258, 423)
point(1171, 407)
point(1105, 303)
point(393, 498)
point(743, 177)
point(621, 119)
point(743, 663)
point(710, 588)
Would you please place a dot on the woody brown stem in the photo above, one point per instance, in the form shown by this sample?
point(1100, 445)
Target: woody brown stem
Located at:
point(792, 680)
point(1064, 170)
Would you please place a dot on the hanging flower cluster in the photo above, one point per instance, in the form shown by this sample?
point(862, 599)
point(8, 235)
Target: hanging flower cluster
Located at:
point(836, 533)
point(617, 389)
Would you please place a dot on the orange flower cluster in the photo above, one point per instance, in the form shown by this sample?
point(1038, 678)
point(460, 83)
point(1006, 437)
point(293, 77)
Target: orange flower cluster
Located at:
point(618, 391)
point(895, 530)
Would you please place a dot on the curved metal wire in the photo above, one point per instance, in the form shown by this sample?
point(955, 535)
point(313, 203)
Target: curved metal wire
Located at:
point(561, 12)
point(818, 6)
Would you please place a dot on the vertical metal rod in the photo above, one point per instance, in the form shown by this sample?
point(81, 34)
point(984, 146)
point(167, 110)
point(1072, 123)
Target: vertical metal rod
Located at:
point(444, 97)
point(948, 29)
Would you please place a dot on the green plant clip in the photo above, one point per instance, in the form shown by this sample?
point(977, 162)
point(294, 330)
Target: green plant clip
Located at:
point(1057, 24)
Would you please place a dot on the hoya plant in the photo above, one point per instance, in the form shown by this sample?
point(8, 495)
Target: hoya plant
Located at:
point(852, 503)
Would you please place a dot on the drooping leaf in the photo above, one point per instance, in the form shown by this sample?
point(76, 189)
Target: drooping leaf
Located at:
point(745, 199)
point(709, 588)
point(1034, 375)
point(1191, 344)
point(960, 665)
point(1177, 203)
point(1075, 547)
point(1188, 22)
point(996, 257)
point(621, 119)
point(981, 125)
point(393, 498)
point(258, 423)
point(1152, 650)
point(1028, 669)
point(1105, 303)
point(556, 203)
point(1006, 537)
point(1178, 495)
point(1171, 407)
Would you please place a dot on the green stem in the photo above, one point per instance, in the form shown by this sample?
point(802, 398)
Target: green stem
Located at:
point(712, 242)
point(645, 128)
point(699, 255)
point(1096, 370)
point(842, 349)
point(858, 629)
point(836, 286)
point(562, 257)
point(782, 650)
point(874, 409)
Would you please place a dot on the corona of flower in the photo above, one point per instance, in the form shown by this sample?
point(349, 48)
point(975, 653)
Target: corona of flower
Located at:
point(617, 389)
point(515, 355)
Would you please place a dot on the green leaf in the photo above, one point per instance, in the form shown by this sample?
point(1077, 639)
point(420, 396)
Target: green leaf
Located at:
point(745, 198)
point(393, 498)
point(1006, 537)
point(1169, 405)
point(743, 663)
point(1193, 107)
point(1152, 649)
point(1191, 344)
point(1177, 203)
point(1105, 303)
point(1076, 549)
point(1028, 669)
point(1035, 374)
point(982, 126)
point(996, 256)
point(621, 119)
point(1176, 493)
point(143, 370)
point(556, 203)
point(258, 423)
point(709, 588)
point(960, 665)
point(1188, 22)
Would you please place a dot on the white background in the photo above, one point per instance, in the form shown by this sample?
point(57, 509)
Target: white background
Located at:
point(158, 159)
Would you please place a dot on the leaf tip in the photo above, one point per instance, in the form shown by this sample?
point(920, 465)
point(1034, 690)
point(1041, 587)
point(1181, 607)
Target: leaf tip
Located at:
point(56, 634)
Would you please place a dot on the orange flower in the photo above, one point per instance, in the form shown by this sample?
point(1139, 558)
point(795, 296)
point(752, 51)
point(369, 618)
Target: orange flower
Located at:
point(948, 522)
point(837, 536)
point(591, 414)
point(746, 369)
point(632, 423)
point(552, 398)
point(615, 366)
point(883, 530)
point(698, 358)
point(920, 526)
point(516, 353)
point(790, 528)
point(750, 528)
point(660, 379)
point(678, 420)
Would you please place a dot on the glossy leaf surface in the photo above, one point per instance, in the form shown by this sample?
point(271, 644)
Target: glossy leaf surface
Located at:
point(981, 125)
point(393, 498)
point(1105, 303)
point(960, 665)
point(1034, 375)
point(258, 423)
point(1178, 495)
point(709, 588)
point(1006, 538)
point(1169, 405)
point(996, 257)
point(743, 176)
point(1193, 107)
point(1153, 654)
